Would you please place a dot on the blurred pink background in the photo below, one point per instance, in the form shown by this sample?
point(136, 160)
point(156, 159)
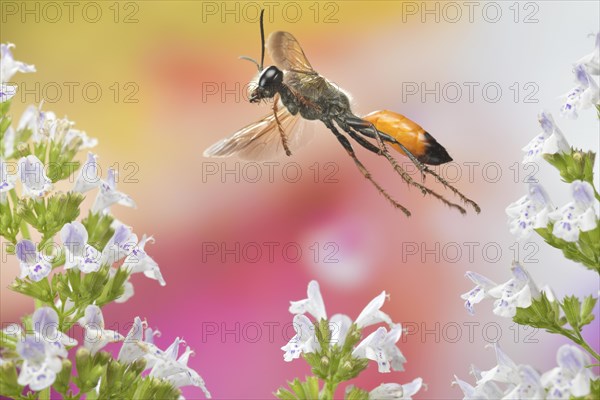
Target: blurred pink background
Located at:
point(178, 53)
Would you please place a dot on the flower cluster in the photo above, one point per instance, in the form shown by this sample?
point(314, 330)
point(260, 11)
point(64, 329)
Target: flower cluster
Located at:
point(573, 228)
point(72, 266)
point(336, 353)
point(507, 380)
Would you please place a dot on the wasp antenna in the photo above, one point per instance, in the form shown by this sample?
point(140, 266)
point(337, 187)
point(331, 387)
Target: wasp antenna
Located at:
point(262, 39)
point(252, 60)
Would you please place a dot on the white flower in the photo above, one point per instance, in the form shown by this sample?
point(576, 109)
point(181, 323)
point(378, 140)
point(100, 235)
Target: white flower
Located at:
point(85, 141)
point(134, 346)
point(33, 176)
point(585, 95)
point(120, 245)
point(572, 376)
point(592, 60)
point(313, 304)
point(380, 346)
point(96, 337)
point(32, 263)
point(576, 216)
point(8, 65)
point(529, 386)
point(506, 370)
point(139, 261)
point(339, 325)
point(79, 254)
point(550, 141)
point(109, 195)
point(9, 142)
point(372, 313)
point(479, 292)
point(7, 181)
point(89, 175)
point(392, 391)
point(164, 364)
point(529, 212)
point(42, 351)
point(7, 92)
point(517, 292)
point(506, 380)
point(485, 391)
point(304, 341)
point(175, 370)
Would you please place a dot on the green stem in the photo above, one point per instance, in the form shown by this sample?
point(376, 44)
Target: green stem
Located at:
point(24, 228)
point(329, 390)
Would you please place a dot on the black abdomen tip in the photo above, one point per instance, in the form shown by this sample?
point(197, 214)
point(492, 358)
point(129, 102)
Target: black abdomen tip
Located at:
point(435, 154)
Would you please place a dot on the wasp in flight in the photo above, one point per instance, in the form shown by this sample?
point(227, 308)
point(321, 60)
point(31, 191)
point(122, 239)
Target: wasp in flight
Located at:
point(299, 93)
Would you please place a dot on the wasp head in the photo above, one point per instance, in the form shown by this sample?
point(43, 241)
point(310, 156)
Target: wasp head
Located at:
point(269, 82)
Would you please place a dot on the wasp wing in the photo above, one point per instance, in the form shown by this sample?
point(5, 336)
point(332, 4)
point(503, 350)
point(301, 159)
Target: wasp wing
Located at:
point(261, 140)
point(287, 54)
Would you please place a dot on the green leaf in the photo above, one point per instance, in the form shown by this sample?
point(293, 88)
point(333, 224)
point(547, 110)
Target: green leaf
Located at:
point(63, 378)
point(587, 309)
point(542, 314)
point(572, 309)
point(8, 380)
point(576, 165)
point(48, 216)
point(99, 229)
point(357, 394)
point(10, 222)
point(299, 390)
point(585, 251)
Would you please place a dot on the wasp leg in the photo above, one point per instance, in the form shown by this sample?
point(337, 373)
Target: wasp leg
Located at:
point(405, 176)
point(368, 129)
point(284, 141)
point(348, 147)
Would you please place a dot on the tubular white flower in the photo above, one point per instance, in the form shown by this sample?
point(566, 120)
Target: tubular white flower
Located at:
point(313, 305)
point(529, 212)
point(585, 95)
point(517, 292)
point(120, 245)
point(7, 180)
point(506, 371)
point(32, 263)
point(33, 176)
point(479, 292)
point(372, 313)
point(380, 346)
point(576, 216)
point(550, 141)
point(9, 66)
point(391, 391)
point(79, 254)
point(304, 341)
point(96, 337)
point(139, 261)
point(339, 325)
point(109, 195)
point(89, 175)
point(572, 376)
point(7, 92)
point(592, 60)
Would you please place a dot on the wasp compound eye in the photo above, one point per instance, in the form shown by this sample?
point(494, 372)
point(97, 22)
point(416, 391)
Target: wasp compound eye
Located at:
point(271, 77)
